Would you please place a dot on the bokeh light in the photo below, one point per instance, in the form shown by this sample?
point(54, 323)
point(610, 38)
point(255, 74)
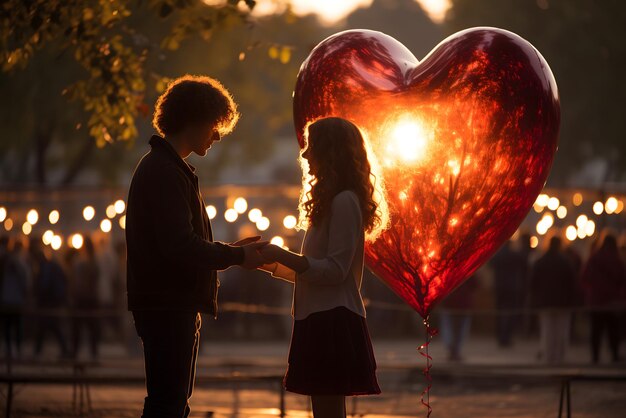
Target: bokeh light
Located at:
point(263, 223)
point(211, 211)
point(27, 228)
point(240, 205)
point(122, 221)
point(577, 199)
point(88, 213)
point(534, 242)
point(119, 206)
point(231, 215)
point(290, 222)
point(8, 224)
point(105, 225)
point(32, 216)
point(611, 205)
point(54, 217)
point(590, 228)
point(553, 203)
point(277, 240)
point(76, 241)
point(571, 232)
point(3, 213)
point(46, 238)
point(598, 208)
point(110, 211)
point(254, 215)
point(561, 212)
point(581, 221)
point(56, 242)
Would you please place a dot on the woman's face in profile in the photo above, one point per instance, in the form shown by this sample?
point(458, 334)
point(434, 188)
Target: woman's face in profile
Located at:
point(308, 155)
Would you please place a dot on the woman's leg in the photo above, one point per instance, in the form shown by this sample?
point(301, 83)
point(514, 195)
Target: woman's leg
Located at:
point(328, 406)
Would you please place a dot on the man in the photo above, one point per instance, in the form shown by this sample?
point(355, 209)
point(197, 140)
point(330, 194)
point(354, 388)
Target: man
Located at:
point(172, 259)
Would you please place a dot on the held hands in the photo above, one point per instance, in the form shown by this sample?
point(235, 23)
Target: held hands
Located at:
point(251, 246)
point(270, 253)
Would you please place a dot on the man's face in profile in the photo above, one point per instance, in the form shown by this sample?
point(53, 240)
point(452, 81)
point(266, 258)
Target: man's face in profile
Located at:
point(201, 137)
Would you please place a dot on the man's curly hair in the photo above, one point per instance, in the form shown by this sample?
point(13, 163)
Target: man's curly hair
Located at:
point(345, 163)
point(193, 100)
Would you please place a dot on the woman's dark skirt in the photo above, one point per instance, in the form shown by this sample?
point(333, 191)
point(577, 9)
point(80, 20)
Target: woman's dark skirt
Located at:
point(331, 354)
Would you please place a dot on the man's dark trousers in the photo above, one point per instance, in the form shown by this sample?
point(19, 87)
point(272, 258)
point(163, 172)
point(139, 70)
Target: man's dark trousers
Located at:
point(170, 345)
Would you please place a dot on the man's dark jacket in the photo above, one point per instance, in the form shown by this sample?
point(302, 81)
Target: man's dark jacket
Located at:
point(171, 259)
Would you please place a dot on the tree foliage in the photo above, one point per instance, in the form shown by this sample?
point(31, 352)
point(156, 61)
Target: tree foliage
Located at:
point(101, 39)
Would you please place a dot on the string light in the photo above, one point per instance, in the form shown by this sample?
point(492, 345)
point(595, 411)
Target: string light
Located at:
point(56, 242)
point(254, 215)
point(240, 205)
point(119, 206)
point(278, 241)
point(88, 213)
point(231, 215)
point(263, 223)
point(53, 217)
point(571, 232)
point(110, 211)
point(211, 211)
point(76, 241)
point(27, 228)
point(598, 208)
point(46, 238)
point(290, 222)
point(577, 199)
point(32, 216)
point(105, 225)
point(553, 203)
point(611, 205)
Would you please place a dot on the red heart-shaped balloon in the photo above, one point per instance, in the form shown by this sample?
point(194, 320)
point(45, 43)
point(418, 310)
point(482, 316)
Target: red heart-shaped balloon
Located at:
point(464, 139)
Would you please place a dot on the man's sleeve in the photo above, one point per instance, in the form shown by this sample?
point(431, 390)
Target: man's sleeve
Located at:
point(172, 215)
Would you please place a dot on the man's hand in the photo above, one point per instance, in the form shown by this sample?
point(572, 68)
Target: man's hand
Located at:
point(252, 257)
point(270, 253)
point(246, 241)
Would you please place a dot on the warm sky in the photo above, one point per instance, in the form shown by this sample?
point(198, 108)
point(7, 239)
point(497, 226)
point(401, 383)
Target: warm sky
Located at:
point(333, 10)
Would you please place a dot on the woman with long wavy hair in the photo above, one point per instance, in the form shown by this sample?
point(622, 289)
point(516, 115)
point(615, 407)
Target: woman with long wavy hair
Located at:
point(331, 354)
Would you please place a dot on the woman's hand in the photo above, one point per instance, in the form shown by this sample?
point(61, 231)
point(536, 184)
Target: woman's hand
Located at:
point(270, 253)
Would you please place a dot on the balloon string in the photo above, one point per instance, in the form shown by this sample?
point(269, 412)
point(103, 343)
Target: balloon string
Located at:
point(430, 333)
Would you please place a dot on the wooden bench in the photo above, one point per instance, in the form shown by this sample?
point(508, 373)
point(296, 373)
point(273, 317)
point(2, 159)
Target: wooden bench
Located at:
point(81, 381)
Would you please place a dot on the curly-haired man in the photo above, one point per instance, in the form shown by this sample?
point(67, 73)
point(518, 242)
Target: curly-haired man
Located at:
point(172, 258)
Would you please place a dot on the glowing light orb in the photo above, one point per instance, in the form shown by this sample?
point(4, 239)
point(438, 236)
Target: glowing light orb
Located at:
point(534, 242)
point(54, 217)
point(76, 241)
point(553, 203)
point(278, 241)
point(581, 221)
point(122, 221)
point(571, 232)
point(561, 212)
point(598, 208)
point(611, 205)
point(119, 206)
point(465, 140)
point(263, 223)
point(577, 199)
point(106, 225)
point(240, 205)
point(46, 238)
point(27, 228)
point(8, 224)
point(254, 215)
point(56, 242)
point(88, 213)
point(590, 228)
point(110, 211)
point(211, 211)
point(3, 213)
point(231, 215)
point(290, 222)
point(32, 217)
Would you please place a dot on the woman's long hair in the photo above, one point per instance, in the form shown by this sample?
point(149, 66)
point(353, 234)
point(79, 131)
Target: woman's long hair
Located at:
point(340, 153)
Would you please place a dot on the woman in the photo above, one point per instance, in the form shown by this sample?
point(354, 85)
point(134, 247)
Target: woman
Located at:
point(331, 354)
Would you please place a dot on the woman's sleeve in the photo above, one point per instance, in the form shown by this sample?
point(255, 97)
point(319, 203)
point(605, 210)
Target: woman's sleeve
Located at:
point(344, 233)
point(280, 271)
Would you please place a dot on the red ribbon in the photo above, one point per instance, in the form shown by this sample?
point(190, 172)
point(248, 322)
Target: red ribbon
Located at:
point(430, 333)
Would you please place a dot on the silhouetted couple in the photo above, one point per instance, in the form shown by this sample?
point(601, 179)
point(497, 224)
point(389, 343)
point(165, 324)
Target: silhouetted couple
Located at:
point(173, 259)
